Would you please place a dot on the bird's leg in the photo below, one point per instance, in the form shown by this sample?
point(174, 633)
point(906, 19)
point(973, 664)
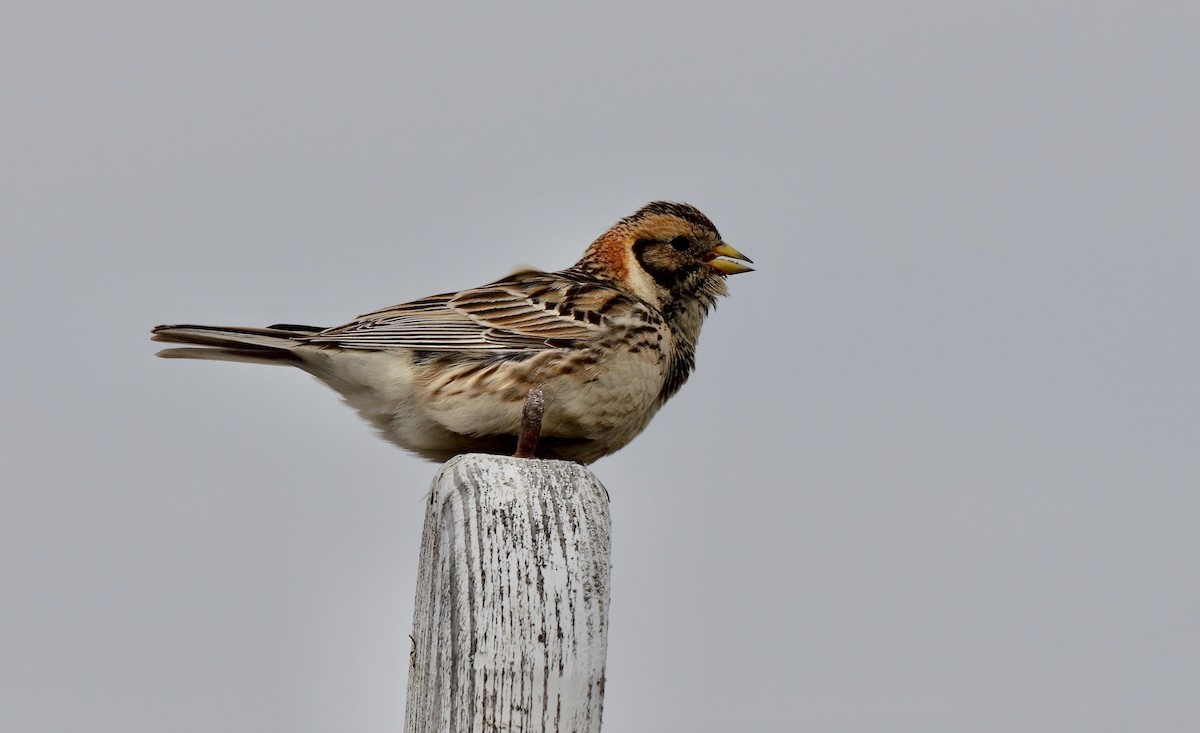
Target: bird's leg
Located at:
point(531, 423)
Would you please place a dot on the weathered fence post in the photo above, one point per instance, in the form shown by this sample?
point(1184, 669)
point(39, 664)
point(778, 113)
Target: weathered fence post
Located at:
point(511, 623)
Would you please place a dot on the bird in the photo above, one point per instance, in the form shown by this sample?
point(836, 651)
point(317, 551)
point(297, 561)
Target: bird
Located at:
point(607, 341)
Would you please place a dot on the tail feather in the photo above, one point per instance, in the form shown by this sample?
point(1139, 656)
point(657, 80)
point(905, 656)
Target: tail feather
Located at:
point(269, 356)
point(295, 327)
point(251, 345)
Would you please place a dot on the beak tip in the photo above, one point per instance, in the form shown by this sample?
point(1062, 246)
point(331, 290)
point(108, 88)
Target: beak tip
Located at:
point(731, 266)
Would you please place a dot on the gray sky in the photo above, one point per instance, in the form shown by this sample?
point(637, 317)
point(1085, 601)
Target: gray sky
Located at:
point(937, 469)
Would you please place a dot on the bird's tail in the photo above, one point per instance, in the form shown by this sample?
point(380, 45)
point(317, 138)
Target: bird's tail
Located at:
point(273, 345)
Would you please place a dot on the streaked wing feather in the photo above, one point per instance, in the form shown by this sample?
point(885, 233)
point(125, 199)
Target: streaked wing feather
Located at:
point(528, 311)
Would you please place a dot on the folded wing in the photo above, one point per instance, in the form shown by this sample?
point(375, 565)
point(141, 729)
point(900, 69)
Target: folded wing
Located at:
point(528, 311)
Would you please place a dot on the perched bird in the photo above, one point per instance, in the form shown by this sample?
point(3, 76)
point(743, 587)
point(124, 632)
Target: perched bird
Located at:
point(608, 341)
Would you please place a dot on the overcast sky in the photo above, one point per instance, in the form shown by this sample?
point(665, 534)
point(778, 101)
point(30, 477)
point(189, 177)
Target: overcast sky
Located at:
point(938, 468)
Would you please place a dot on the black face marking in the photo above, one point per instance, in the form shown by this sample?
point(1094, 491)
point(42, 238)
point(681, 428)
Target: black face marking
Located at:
point(667, 275)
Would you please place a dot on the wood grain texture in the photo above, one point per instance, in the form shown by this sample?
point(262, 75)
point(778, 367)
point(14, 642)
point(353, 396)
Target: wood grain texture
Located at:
point(510, 629)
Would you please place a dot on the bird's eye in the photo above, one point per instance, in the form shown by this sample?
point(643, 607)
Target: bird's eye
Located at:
point(681, 243)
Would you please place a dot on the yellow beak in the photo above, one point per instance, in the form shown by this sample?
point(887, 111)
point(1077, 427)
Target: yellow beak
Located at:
point(727, 266)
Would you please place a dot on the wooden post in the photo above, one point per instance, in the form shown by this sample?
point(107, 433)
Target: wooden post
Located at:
point(510, 629)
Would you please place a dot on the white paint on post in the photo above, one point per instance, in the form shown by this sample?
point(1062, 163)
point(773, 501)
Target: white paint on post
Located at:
point(511, 623)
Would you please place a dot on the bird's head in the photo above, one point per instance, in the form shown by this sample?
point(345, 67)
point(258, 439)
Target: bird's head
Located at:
point(666, 253)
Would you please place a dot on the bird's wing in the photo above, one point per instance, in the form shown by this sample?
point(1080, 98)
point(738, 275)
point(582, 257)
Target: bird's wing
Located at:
point(527, 311)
